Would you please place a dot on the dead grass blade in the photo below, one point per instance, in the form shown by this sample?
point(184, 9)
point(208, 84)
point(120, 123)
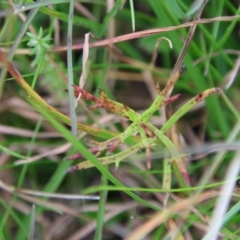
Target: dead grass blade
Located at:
point(81, 233)
point(191, 32)
point(145, 33)
point(162, 216)
point(174, 76)
point(12, 189)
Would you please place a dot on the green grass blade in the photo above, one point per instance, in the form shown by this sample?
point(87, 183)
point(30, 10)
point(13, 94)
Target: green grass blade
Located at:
point(101, 211)
point(132, 15)
point(70, 71)
point(10, 152)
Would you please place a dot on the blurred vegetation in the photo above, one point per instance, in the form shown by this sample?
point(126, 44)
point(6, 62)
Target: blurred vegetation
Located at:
point(36, 41)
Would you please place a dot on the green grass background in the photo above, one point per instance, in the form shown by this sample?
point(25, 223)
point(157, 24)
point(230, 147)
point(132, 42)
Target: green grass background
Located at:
point(217, 121)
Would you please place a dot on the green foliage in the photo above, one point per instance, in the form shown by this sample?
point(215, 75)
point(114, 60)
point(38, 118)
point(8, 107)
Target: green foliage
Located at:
point(39, 45)
point(35, 120)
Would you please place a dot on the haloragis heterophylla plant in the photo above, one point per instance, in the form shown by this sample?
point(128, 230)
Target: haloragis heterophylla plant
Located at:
point(150, 135)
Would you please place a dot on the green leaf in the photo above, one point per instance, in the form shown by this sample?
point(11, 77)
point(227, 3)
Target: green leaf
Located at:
point(175, 8)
